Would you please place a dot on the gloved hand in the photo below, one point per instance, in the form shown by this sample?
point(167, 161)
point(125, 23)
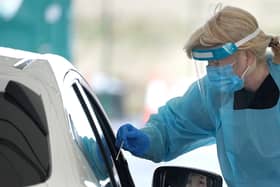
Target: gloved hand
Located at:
point(133, 140)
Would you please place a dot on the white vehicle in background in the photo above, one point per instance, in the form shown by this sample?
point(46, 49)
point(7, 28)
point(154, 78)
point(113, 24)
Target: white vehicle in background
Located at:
point(46, 109)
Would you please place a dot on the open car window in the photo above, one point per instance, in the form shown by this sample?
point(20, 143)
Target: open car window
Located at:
point(85, 138)
point(88, 134)
point(103, 124)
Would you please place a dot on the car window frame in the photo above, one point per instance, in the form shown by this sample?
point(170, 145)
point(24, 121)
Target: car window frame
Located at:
point(89, 102)
point(71, 80)
point(120, 163)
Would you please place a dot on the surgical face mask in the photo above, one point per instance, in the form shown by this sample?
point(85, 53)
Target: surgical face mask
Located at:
point(224, 79)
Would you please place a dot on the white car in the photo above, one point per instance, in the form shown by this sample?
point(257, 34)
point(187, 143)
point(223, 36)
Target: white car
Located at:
point(47, 109)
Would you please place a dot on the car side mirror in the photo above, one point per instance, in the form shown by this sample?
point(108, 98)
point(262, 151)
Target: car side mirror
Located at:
point(171, 176)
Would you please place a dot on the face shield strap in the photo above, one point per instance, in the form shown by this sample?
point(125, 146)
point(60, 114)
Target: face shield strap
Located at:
point(222, 51)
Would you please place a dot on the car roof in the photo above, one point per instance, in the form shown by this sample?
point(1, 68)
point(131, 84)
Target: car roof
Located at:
point(14, 59)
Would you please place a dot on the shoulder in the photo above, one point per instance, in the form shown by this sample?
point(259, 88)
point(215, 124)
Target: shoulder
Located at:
point(273, 64)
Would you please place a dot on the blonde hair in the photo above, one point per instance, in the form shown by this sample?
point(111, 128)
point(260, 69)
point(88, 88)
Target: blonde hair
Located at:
point(231, 24)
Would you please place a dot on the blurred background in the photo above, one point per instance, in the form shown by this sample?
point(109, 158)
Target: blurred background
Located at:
point(131, 52)
point(137, 47)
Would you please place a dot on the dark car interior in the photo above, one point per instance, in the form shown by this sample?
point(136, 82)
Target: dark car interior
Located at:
point(24, 146)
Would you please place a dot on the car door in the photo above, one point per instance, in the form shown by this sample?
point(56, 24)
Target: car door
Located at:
point(92, 134)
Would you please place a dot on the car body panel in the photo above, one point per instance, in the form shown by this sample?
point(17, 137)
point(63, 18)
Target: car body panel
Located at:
point(66, 167)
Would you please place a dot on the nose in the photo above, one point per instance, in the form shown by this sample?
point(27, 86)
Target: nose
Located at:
point(214, 63)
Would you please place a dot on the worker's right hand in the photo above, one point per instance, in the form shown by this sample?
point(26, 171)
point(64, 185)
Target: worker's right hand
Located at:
point(133, 140)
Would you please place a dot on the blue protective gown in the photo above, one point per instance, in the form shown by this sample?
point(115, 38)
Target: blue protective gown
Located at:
point(248, 140)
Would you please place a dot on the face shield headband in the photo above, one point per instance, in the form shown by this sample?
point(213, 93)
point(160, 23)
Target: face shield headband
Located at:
point(222, 51)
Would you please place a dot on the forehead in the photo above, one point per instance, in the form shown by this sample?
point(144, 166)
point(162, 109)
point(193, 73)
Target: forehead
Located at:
point(228, 60)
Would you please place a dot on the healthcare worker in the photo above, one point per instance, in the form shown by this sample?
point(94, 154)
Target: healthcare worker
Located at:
point(234, 103)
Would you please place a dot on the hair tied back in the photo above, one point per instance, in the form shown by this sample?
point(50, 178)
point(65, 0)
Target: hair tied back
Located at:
point(274, 42)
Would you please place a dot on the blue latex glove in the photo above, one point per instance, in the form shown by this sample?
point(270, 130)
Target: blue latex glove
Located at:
point(134, 140)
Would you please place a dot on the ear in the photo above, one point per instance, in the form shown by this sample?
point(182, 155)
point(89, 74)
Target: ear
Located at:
point(251, 57)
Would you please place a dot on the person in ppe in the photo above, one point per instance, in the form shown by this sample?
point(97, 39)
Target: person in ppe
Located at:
point(234, 103)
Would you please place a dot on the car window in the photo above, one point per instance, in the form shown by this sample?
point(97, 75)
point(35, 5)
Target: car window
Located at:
point(88, 136)
point(24, 145)
point(103, 124)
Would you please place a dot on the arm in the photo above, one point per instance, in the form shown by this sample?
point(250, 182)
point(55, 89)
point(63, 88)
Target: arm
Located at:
point(181, 125)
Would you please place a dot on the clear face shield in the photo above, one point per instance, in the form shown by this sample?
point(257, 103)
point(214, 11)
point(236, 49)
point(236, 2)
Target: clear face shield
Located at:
point(203, 59)
point(221, 78)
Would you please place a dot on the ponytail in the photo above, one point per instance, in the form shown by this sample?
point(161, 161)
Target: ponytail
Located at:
point(275, 46)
